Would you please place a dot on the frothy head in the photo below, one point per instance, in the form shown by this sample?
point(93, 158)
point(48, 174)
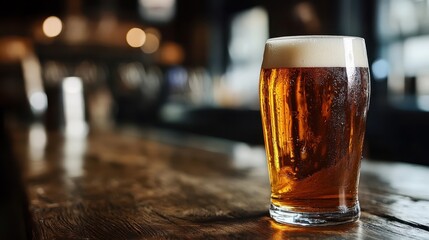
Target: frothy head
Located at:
point(315, 51)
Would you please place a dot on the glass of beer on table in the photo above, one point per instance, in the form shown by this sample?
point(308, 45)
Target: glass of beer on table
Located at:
point(314, 96)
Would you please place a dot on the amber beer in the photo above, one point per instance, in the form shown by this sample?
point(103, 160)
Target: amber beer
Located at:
point(314, 94)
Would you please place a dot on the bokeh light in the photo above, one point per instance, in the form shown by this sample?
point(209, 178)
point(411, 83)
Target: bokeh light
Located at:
point(136, 37)
point(152, 43)
point(52, 26)
point(172, 53)
point(38, 101)
point(380, 69)
point(13, 48)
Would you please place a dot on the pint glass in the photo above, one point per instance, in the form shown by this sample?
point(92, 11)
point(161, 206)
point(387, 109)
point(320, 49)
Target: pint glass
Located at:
point(314, 96)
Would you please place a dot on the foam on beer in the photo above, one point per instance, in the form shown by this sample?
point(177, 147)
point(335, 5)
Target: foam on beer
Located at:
point(315, 51)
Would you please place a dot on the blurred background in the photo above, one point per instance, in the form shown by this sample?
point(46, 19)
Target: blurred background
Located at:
point(193, 65)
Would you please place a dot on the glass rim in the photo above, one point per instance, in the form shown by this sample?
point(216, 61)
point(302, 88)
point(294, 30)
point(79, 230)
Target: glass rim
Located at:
point(315, 50)
point(291, 37)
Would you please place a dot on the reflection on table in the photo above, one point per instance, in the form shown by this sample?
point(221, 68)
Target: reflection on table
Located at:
point(133, 183)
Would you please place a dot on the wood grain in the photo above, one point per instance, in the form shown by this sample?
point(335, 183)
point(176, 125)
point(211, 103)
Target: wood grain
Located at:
point(151, 184)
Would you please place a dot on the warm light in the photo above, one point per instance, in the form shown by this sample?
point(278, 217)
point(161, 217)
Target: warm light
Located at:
point(52, 26)
point(152, 43)
point(136, 37)
point(13, 48)
point(172, 53)
point(78, 29)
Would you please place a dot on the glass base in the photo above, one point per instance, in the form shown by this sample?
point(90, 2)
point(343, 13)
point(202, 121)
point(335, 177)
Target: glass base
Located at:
point(285, 216)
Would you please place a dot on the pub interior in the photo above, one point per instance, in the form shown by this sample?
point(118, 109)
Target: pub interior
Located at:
point(192, 66)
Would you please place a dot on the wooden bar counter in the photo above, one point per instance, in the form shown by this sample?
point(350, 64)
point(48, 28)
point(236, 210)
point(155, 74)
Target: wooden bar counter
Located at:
point(156, 184)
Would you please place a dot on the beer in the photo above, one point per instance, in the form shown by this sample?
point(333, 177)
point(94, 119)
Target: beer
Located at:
point(314, 94)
